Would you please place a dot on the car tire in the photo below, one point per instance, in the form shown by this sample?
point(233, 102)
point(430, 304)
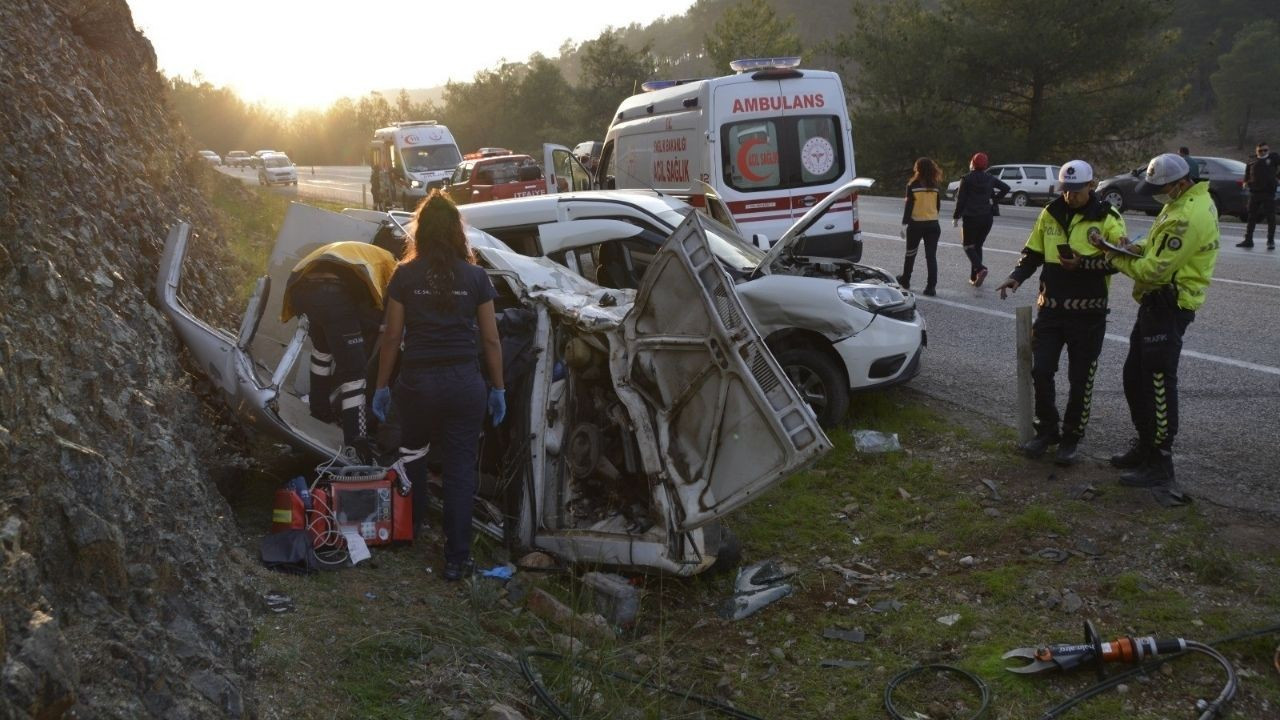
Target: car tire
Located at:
point(1020, 199)
point(1115, 199)
point(820, 382)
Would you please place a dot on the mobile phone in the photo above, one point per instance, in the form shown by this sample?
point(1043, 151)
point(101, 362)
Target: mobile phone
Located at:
point(1065, 251)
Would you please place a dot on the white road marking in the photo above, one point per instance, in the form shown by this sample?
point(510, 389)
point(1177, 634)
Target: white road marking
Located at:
point(1019, 252)
point(1242, 364)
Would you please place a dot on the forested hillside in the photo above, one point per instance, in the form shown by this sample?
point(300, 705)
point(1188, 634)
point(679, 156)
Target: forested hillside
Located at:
point(1110, 80)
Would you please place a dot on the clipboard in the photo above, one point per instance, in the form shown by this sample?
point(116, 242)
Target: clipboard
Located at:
point(1125, 250)
point(1096, 236)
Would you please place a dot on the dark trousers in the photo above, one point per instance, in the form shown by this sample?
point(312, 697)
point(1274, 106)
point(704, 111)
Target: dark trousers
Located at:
point(1262, 205)
point(974, 231)
point(928, 232)
point(338, 325)
point(1151, 371)
point(1081, 334)
point(444, 407)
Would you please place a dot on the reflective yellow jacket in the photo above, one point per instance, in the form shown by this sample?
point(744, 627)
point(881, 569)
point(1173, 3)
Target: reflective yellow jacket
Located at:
point(1182, 249)
point(370, 263)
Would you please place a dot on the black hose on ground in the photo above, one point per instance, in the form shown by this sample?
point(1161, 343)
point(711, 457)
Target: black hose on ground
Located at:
point(983, 691)
point(545, 696)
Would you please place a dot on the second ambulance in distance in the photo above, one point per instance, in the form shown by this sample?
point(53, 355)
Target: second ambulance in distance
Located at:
point(771, 140)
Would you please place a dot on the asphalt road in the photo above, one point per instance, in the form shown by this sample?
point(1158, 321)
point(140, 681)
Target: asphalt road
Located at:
point(337, 183)
point(1228, 447)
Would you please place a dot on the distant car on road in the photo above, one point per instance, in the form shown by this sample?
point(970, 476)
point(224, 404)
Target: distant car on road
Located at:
point(1226, 187)
point(256, 159)
point(1027, 183)
point(277, 169)
point(211, 157)
point(237, 158)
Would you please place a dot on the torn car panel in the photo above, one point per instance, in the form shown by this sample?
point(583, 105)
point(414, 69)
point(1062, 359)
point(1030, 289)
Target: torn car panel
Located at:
point(728, 423)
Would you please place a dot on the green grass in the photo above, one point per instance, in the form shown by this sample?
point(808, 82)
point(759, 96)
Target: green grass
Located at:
point(422, 646)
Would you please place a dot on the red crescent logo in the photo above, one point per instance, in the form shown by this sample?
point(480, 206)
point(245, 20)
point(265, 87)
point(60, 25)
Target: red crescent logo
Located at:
point(742, 160)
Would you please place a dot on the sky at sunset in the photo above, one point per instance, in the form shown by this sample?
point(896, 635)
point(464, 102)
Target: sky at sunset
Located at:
point(297, 54)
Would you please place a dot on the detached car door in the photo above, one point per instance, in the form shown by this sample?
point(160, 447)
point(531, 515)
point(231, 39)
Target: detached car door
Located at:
point(725, 420)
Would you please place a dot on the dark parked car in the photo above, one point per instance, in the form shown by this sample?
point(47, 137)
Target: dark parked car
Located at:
point(1226, 185)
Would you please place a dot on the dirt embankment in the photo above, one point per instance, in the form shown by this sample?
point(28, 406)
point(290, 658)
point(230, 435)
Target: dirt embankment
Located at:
point(119, 597)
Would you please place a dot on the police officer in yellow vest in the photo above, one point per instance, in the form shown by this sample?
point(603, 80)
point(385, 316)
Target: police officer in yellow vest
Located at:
point(1071, 307)
point(1171, 270)
point(340, 288)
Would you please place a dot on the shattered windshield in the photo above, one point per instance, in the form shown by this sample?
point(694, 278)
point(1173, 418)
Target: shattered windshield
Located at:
point(728, 246)
point(422, 158)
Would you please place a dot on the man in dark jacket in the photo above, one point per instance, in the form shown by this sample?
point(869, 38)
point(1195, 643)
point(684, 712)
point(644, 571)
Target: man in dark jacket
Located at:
point(1260, 175)
point(976, 208)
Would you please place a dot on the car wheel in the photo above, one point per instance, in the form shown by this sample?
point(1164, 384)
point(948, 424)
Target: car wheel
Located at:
point(1020, 199)
point(1114, 199)
point(819, 381)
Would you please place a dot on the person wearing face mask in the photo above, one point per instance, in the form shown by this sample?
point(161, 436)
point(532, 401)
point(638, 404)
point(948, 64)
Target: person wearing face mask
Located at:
point(1260, 176)
point(1171, 272)
point(1071, 307)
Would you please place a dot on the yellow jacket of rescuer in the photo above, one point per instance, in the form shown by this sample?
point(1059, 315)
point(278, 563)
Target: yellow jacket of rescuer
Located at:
point(370, 264)
point(1181, 249)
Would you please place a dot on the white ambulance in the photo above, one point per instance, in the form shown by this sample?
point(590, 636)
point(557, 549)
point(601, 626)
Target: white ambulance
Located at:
point(407, 159)
point(771, 141)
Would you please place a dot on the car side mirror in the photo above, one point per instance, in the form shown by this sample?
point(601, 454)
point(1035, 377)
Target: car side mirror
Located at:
point(760, 240)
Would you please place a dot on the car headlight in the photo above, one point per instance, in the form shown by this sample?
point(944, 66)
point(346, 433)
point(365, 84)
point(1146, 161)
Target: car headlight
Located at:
point(870, 297)
point(415, 183)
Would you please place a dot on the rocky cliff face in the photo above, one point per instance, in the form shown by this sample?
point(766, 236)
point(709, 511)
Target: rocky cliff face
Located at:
point(121, 593)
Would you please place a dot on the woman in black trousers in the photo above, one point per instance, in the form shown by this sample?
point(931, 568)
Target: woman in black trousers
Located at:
point(976, 207)
point(920, 223)
point(441, 302)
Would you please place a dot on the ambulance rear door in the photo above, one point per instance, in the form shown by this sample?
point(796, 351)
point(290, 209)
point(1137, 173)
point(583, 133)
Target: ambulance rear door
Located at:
point(785, 144)
point(562, 171)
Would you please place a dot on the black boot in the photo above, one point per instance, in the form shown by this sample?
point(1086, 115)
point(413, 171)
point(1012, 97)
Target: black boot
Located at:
point(1036, 446)
point(1134, 457)
point(904, 280)
point(1068, 452)
point(1156, 472)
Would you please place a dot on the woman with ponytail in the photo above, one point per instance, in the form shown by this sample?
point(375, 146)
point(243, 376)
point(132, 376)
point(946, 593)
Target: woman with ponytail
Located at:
point(441, 303)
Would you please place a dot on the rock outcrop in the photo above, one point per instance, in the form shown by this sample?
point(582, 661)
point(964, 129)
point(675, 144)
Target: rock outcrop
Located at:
point(122, 591)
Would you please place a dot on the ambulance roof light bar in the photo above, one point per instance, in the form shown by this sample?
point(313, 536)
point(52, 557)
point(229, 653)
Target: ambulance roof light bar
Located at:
point(651, 85)
point(772, 63)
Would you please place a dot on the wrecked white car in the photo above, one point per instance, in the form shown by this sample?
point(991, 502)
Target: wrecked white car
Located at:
point(643, 418)
point(834, 325)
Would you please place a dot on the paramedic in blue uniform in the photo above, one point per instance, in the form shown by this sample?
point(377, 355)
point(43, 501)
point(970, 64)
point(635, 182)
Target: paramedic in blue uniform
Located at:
point(441, 303)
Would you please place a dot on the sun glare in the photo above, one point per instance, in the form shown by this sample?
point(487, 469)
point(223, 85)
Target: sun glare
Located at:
point(297, 54)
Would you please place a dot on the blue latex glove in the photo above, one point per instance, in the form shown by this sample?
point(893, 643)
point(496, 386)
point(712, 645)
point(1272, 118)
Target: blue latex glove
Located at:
point(497, 405)
point(381, 403)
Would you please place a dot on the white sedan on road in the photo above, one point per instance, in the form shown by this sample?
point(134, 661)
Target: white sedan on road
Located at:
point(835, 326)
